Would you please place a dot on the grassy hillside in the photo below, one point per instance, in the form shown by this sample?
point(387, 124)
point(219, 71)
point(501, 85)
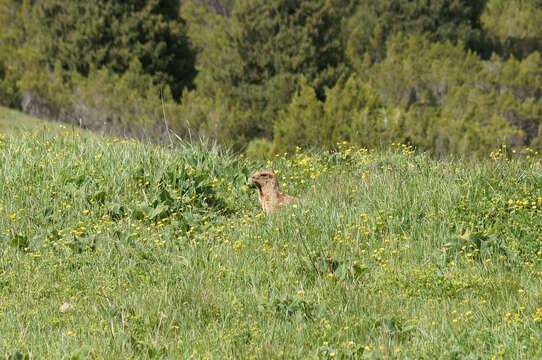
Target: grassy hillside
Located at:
point(115, 249)
point(15, 122)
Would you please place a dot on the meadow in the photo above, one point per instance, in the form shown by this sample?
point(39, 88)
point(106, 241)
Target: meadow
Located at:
point(118, 249)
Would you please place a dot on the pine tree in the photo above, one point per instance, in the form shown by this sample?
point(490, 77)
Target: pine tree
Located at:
point(14, 31)
point(374, 22)
point(515, 24)
point(81, 34)
point(301, 123)
point(255, 57)
point(353, 112)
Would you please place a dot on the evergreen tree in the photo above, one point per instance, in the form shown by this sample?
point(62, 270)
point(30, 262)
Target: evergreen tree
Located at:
point(80, 34)
point(353, 112)
point(14, 31)
point(220, 7)
point(255, 57)
point(475, 121)
point(515, 24)
point(416, 71)
point(301, 124)
point(440, 20)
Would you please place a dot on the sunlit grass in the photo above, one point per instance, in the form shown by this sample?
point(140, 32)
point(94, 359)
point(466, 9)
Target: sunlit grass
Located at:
point(166, 253)
point(14, 122)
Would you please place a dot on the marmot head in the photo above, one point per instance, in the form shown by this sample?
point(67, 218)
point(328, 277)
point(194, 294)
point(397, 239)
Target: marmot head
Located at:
point(262, 178)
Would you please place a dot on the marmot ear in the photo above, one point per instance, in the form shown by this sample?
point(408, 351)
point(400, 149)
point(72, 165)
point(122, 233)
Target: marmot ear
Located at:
point(270, 170)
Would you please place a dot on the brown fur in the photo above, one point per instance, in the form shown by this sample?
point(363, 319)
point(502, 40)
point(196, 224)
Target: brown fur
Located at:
point(269, 193)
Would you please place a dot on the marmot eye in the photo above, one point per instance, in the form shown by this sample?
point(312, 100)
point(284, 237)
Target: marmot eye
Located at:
point(264, 175)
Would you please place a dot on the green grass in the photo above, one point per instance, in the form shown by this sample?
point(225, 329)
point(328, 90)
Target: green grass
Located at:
point(16, 123)
point(165, 254)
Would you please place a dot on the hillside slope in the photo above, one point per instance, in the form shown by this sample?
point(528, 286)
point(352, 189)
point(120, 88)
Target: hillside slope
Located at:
point(14, 122)
point(164, 253)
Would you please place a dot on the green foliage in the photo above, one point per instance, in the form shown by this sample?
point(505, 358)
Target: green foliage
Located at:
point(301, 124)
point(104, 66)
point(451, 101)
point(417, 71)
point(8, 82)
point(353, 112)
point(472, 121)
point(8, 91)
point(515, 25)
point(82, 34)
point(128, 104)
point(253, 59)
point(447, 20)
point(438, 97)
point(220, 7)
point(12, 35)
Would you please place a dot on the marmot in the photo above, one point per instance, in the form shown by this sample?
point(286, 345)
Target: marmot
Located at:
point(269, 193)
